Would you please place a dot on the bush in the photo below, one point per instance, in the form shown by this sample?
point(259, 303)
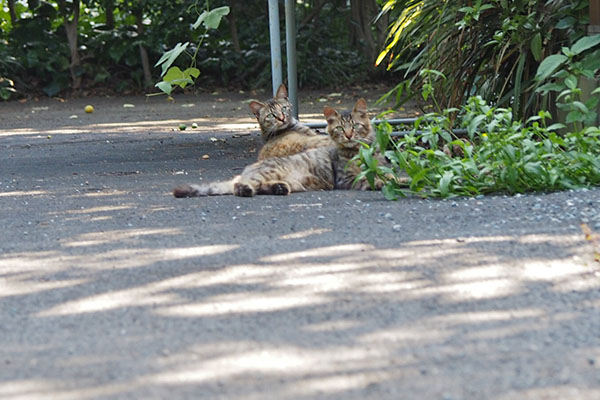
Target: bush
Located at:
point(489, 48)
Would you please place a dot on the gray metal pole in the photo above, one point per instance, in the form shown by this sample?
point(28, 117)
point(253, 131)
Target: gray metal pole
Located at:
point(276, 73)
point(290, 39)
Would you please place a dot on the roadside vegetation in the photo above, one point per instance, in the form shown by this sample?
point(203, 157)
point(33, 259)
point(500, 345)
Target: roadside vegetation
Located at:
point(60, 47)
point(512, 93)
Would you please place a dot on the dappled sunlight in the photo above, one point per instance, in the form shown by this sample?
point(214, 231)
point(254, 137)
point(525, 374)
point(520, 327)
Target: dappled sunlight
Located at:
point(338, 369)
point(101, 209)
point(24, 193)
point(561, 392)
point(322, 321)
point(136, 296)
point(331, 251)
point(304, 234)
point(244, 303)
point(29, 283)
point(550, 270)
point(46, 389)
point(244, 127)
point(27, 273)
point(116, 236)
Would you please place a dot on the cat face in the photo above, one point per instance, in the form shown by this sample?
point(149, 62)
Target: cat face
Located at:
point(275, 114)
point(347, 128)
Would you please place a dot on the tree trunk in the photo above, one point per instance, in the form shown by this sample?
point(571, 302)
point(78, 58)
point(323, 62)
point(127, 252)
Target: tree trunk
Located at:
point(11, 11)
point(71, 29)
point(365, 33)
point(139, 18)
point(316, 10)
point(232, 19)
point(109, 10)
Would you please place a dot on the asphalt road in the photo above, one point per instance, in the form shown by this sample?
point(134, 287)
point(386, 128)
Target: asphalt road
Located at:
point(110, 288)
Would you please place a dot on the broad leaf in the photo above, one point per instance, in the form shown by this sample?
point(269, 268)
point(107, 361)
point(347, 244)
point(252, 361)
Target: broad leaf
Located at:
point(170, 56)
point(211, 19)
point(586, 42)
point(165, 87)
point(549, 65)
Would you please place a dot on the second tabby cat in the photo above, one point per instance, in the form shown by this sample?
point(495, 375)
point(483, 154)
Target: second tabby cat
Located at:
point(282, 134)
point(322, 168)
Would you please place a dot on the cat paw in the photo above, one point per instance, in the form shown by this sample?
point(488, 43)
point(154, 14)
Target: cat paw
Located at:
point(281, 189)
point(183, 191)
point(243, 190)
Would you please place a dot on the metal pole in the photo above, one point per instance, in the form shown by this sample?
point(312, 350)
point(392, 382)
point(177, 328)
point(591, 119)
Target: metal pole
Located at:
point(290, 40)
point(395, 121)
point(275, 44)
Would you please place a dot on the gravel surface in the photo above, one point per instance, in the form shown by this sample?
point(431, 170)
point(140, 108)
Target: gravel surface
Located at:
point(110, 288)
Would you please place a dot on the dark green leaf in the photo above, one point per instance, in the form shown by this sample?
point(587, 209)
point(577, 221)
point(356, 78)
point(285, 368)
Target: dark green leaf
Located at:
point(549, 65)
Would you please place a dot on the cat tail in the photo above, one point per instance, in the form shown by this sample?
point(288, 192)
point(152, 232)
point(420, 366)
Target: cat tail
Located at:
point(207, 189)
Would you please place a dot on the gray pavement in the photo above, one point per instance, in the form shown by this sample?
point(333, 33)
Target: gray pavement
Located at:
point(110, 288)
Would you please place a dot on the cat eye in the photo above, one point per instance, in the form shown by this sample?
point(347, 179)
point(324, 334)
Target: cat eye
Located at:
point(357, 127)
point(284, 108)
point(339, 129)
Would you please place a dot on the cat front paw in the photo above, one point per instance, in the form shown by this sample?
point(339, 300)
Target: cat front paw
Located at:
point(243, 190)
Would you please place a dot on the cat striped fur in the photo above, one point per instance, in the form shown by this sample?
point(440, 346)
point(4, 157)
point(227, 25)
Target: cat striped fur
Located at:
point(323, 168)
point(282, 134)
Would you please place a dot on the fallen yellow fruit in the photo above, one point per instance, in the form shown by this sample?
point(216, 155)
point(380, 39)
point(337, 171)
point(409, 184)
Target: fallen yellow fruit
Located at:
point(89, 109)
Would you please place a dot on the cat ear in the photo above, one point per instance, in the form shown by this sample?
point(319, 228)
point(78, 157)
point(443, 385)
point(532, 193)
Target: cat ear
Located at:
point(256, 106)
point(361, 106)
point(329, 113)
point(282, 92)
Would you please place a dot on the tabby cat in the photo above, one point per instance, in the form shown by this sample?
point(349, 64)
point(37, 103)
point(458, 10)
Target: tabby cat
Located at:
point(323, 168)
point(282, 134)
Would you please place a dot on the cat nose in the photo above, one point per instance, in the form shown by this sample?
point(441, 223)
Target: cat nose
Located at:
point(348, 134)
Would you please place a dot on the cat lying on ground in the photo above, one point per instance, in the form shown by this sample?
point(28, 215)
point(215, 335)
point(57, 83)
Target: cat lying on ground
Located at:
point(282, 134)
point(322, 168)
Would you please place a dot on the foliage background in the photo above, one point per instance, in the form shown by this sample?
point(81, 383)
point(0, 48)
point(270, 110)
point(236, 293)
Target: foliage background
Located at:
point(337, 43)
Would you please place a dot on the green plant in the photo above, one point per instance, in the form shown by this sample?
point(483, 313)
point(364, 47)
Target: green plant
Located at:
point(498, 153)
point(561, 74)
point(173, 76)
point(489, 48)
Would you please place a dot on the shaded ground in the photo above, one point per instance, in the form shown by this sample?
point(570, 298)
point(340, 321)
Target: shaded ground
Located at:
point(112, 289)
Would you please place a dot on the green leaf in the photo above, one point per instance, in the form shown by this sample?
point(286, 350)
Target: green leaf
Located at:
point(165, 87)
point(575, 116)
point(581, 107)
point(389, 193)
point(549, 65)
point(585, 43)
point(170, 56)
point(571, 81)
point(566, 23)
point(175, 76)
point(536, 46)
point(550, 87)
point(195, 72)
point(444, 184)
point(211, 19)
point(556, 126)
